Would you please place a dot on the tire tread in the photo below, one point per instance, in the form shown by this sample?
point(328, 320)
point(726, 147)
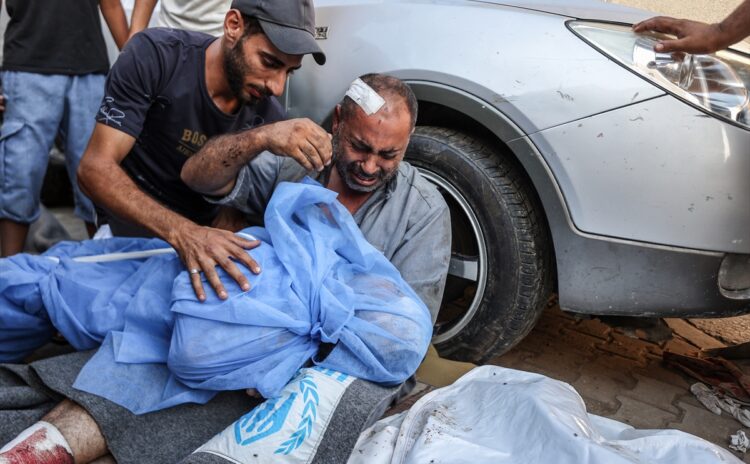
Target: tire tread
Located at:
point(492, 337)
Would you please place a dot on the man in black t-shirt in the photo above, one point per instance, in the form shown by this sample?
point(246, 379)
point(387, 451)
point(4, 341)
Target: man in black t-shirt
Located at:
point(173, 94)
point(54, 63)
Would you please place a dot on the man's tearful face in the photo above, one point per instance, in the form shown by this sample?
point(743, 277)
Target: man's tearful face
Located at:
point(356, 176)
point(368, 149)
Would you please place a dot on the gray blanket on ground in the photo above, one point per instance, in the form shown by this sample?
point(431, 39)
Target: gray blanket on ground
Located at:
point(29, 391)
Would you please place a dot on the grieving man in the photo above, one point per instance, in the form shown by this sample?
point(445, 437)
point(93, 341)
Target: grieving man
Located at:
point(396, 209)
point(171, 91)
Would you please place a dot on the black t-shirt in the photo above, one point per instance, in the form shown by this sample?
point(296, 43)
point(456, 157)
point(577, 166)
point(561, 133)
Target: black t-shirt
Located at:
point(54, 37)
point(156, 92)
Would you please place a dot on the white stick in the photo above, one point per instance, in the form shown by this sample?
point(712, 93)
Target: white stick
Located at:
point(108, 257)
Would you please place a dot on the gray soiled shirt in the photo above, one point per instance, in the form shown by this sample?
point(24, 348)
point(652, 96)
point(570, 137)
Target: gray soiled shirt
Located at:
point(407, 219)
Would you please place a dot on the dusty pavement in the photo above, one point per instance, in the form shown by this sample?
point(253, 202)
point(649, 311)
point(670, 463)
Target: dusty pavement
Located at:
point(622, 377)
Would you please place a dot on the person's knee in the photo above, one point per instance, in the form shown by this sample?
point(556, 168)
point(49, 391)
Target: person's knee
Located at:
point(79, 429)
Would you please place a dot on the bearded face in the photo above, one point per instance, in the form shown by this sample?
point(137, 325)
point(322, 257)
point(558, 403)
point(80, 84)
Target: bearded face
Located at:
point(350, 168)
point(237, 69)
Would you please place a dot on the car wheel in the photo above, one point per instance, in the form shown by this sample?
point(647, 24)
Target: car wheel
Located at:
point(500, 274)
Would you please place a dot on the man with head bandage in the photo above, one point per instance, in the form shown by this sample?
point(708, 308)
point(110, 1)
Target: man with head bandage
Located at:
point(398, 212)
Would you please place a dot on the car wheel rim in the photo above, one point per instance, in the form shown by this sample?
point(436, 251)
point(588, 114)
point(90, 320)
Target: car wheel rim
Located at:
point(471, 268)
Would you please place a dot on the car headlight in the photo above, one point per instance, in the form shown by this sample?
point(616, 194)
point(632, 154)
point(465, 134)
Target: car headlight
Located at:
point(717, 83)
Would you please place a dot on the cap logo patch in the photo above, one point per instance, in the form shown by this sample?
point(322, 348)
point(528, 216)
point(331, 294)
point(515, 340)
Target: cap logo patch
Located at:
point(321, 32)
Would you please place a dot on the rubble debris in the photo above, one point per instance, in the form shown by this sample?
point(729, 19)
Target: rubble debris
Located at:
point(736, 410)
point(726, 377)
point(716, 402)
point(739, 442)
point(707, 397)
point(693, 334)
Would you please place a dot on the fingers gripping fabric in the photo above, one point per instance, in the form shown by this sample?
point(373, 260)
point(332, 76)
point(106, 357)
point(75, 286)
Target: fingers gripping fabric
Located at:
point(321, 282)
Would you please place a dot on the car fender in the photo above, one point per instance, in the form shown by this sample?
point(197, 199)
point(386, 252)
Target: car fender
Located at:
point(541, 74)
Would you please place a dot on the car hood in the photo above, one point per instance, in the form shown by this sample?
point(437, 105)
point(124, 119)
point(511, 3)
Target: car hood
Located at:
point(581, 9)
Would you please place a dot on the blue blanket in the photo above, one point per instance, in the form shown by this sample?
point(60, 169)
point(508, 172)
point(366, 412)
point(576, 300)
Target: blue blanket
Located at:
point(321, 281)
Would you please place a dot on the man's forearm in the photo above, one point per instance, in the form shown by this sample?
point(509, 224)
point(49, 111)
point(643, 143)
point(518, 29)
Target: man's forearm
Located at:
point(213, 170)
point(108, 185)
point(736, 26)
point(141, 16)
point(115, 18)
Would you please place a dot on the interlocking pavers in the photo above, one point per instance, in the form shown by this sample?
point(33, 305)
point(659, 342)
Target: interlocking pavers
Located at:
point(515, 359)
point(643, 415)
point(581, 340)
point(618, 376)
point(700, 421)
point(659, 372)
point(603, 385)
point(655, 393)
point(626, 347)
point(556, 364)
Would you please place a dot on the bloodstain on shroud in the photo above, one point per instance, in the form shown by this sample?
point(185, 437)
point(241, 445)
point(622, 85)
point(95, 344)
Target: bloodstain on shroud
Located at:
point(37, 449)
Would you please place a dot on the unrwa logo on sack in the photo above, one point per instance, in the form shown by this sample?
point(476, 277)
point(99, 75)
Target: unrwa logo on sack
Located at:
point(263, 421)
point(311, 399)
point(270, 417)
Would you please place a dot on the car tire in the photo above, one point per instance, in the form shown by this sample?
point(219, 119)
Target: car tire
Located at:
point(509, 265)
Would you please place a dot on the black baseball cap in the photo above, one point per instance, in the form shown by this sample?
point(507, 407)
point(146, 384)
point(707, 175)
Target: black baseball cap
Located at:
point(288, 24)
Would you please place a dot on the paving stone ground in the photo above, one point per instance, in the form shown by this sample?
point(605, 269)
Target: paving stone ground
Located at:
point(619, 377)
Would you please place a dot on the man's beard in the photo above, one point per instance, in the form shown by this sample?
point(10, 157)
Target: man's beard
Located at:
point(349, 170)
point(236, 68)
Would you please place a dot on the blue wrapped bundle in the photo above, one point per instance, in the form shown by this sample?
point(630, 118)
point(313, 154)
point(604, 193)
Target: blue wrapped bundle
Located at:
point(82, 300)
point(321, 282)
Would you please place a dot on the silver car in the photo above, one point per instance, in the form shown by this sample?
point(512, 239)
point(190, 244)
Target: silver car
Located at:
point(572, 157)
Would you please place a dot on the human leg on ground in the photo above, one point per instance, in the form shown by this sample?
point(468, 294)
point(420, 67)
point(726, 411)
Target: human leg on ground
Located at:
point(83, 97)
point(79, 429)
point(66, 434)
point(34, 106)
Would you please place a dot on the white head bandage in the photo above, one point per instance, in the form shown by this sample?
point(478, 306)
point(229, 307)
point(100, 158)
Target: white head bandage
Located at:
point(365, 97)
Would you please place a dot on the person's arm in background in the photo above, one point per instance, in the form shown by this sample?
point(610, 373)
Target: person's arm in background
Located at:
point(115, 18)
point(142, 11)
point(698, 37)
